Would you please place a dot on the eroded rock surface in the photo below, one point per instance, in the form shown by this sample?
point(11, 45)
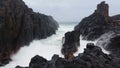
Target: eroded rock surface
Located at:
point(19, 25)
point(98, 23)
point(70, 46)
point(111, 42)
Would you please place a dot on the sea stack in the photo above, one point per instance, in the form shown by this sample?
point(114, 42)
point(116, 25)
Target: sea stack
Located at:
point(71, 44)
point(19, 25)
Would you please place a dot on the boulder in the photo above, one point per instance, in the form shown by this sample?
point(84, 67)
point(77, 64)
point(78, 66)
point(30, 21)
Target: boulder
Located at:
point(37, 62)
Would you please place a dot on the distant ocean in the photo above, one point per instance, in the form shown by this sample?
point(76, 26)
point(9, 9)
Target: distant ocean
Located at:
point(45, 47)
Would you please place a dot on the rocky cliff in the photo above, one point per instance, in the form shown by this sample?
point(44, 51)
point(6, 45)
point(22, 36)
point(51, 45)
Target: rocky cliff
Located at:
point(104, 28)
point(98, 23)
point(19, 25)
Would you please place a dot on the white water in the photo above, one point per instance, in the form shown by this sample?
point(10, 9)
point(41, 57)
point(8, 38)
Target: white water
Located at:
point(45, 47)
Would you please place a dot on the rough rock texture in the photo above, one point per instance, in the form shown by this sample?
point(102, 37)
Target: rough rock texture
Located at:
point(116, 17)
point(19, 25)
point(111, 42)
point(92, 57)
point(98, 23)
point(70, 46)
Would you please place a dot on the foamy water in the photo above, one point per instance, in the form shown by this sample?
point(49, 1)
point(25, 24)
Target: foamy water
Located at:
point(45, 47)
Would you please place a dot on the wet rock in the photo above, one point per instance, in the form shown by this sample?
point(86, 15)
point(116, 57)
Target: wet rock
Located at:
point(98, 23)
point(19, 25)
point(37, 62)
point(92, 57)
point(110, 41)
point(4, 61)
point(71, 44)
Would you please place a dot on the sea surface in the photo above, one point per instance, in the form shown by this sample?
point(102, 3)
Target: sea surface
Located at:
point(45, 47)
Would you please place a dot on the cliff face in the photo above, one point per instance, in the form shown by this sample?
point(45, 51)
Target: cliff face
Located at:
point(93, 26)
point(19, 25)
point(101, 26)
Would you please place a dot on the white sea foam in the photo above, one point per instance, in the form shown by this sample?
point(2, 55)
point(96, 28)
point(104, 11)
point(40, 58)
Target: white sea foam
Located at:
point(45, 47)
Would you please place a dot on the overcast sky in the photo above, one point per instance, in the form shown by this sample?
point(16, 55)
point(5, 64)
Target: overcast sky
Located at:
point(70, 10)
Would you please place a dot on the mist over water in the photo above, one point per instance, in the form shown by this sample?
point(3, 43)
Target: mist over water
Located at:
point(45, 47)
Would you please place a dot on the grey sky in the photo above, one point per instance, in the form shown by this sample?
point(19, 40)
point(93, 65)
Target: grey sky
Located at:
point(70, 10)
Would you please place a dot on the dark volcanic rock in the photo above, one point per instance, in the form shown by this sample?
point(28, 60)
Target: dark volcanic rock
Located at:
point(111, 42)
point(71, 44)
point(116, 17)
point(98, 23)
point(19, 25)
point(101, 26)
point(37, 62)
point(92, 57)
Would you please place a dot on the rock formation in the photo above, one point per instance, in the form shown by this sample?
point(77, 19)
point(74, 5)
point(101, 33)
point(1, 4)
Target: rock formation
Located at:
point(92, 57)
point(111, 42)
point(71, 44)
point(19, 25)
point(98, 23)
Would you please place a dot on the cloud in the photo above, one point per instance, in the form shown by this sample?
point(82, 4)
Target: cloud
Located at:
point(70, 10)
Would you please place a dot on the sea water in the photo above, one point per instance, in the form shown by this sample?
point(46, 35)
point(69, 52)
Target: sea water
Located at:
point(45, 47)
